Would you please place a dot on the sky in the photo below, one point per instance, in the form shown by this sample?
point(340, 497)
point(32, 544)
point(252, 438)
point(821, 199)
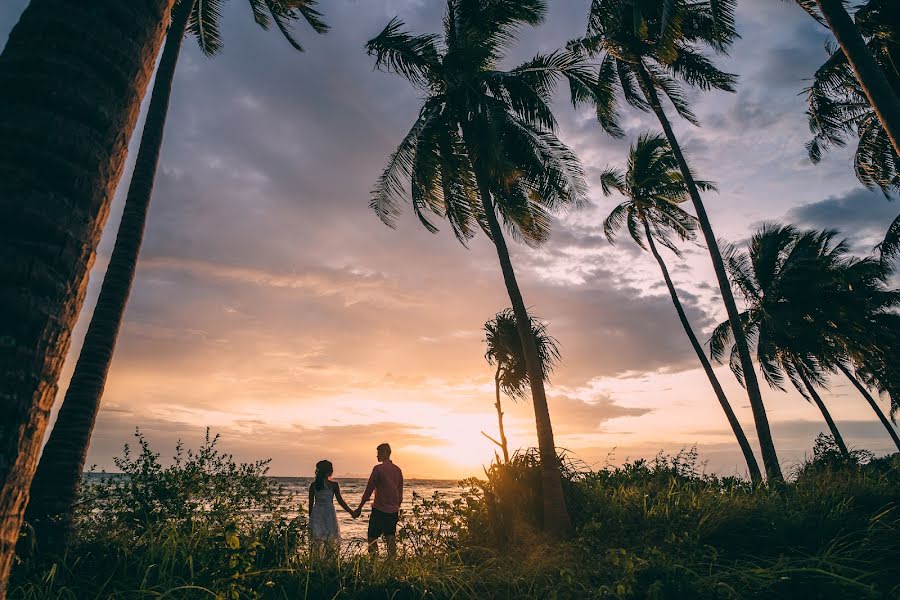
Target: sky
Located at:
point(272, 306)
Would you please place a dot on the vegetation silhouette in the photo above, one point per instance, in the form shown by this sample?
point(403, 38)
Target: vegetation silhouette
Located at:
point(883, 97)
point(483, 154)
point(66, 114)
point(58, 474)
point(504, 349)
point(655, 189)
point(484, 143)
point(646, 47)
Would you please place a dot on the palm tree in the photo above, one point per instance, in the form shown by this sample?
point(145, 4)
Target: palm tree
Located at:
point(56, 481)
point(882, 96)
point(785, 277)
point(838, 106)
point(483, 144)
point(66, 113)
point(504, 349)
point(654, 189)
point(863, 330)
point(646, 46)
point(890, 247)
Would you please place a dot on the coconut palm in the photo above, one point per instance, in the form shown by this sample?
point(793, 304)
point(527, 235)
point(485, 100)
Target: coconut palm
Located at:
point(504, 349)
point(785, 277)
point(882, 95)
point(483, 151)
point(838, 106)
point(863, 330)
point(890, 247)
point(56, 481)
point(654, 190)
point(647, 49)
point(66, 113)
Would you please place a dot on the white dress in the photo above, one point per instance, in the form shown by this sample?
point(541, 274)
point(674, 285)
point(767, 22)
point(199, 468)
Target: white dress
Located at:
point(323, 524)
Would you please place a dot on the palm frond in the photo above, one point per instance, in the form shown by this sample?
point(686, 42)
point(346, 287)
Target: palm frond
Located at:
point(413, 56)
point(204, 25)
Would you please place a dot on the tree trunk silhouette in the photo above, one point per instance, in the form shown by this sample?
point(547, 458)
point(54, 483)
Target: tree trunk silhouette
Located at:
point(882, 97)
point(764, 433)
point(55, 486)
point(881, 417)
point(503, 444)
point(71, 84)
point(752, 465)
point(556, 516)
point(838, 438)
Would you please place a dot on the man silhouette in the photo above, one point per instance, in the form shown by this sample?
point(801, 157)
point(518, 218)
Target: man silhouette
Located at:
point(386, 481)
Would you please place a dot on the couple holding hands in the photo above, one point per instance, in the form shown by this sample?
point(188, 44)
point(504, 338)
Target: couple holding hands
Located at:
point(386, 481)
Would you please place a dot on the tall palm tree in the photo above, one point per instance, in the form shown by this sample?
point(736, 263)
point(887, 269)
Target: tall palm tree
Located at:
point(504, 349)
point(482, 151)
point(67, 110)
point(646, 47)
point(56, 481)
point(863, 330)
point(785, 277)
point(654, 189)
point(882, 96)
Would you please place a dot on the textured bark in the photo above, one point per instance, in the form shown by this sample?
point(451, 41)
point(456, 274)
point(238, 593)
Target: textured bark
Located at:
point(72, 76)
point(556, 516)
point(817, 400)
point(764, 433)
point(871, 400)
point(874, 82)
point(503, 444)
point(752, 465)
point(55, 486)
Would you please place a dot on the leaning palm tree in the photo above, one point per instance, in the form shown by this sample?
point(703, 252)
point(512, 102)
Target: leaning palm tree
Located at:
point(882, 96)
point(504, 349)
point(654, 190)
point(646, 47)
point(56, 481)
point(66, 113)
point(482, 153)
point(784, 277)
point(863, 330)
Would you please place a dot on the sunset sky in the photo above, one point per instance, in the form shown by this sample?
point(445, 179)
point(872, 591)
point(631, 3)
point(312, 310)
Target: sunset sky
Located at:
point(274, 307)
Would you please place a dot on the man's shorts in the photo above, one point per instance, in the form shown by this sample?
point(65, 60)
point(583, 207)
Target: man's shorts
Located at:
point(382, 523)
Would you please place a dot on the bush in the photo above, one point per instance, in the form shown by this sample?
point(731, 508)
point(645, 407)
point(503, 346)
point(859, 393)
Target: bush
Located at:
point(206, 527)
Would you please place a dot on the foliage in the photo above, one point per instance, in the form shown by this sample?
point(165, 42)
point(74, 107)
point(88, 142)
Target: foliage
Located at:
point(838, 107)
point(481, 130)
point(504, 348)
point(661, 529)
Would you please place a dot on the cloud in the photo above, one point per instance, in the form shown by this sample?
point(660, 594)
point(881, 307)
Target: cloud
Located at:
point(272, 304)
point(860, 213)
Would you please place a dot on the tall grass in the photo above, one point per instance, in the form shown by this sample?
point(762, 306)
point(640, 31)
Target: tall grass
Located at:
point(649, 529)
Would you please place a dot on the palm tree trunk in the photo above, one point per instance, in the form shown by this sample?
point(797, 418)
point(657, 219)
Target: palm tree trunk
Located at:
point(71, 84)
point(503, 444)
point(874, 82)
point(881, 417)
point(764, 433)
point(556, 516)
point(838, 438)
point(58, 475)
point(752, 465)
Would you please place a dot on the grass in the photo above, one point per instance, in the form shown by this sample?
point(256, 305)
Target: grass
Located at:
point(649, 529)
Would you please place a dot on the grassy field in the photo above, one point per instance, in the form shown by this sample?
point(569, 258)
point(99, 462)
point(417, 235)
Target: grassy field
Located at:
point(208, 528)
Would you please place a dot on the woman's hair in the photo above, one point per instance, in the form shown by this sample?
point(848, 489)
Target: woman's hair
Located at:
point(324, 469)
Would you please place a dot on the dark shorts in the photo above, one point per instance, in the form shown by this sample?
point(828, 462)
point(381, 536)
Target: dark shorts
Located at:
point(382, 523)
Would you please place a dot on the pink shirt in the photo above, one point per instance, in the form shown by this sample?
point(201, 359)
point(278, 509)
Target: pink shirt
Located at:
point(386, 481)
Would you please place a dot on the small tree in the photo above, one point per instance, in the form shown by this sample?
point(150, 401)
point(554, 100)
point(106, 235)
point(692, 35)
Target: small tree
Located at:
point(504, 349)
